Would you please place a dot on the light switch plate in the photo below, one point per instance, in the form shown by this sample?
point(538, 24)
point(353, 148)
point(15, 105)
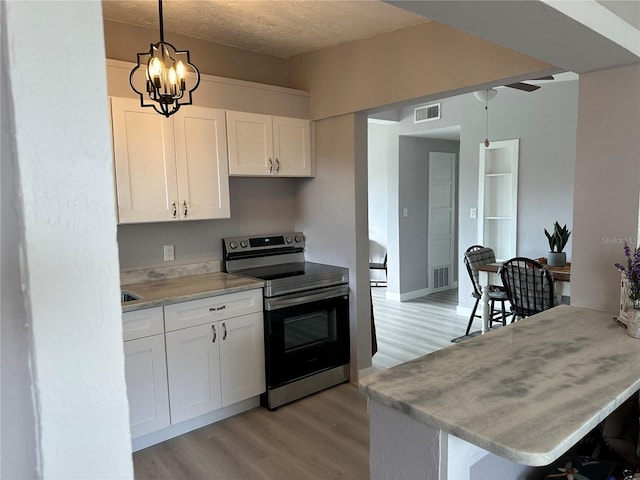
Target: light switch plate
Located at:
point(169, 253)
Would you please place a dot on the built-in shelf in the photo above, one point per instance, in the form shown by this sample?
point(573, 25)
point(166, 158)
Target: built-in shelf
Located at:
point(498, 197)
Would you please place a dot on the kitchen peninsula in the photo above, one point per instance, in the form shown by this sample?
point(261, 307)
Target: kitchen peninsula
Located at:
point(504, 402)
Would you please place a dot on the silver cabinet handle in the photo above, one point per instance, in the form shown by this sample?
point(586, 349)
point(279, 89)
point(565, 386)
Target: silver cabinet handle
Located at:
point(224, 331)
point(270, 166)
point(175, 209)
point(215, 335)
point(216, 309)
point(277, 166)
point(186, 208)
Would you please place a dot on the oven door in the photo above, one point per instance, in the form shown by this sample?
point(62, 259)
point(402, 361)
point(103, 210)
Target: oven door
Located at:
point(306, 333)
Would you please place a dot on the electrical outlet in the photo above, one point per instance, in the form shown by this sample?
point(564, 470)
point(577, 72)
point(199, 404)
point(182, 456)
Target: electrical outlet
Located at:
point(169, 253)
point(405, 212)
point(473, 213)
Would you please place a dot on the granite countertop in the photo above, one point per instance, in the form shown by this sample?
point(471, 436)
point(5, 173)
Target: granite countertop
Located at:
point(164, 291)
point(526, 392)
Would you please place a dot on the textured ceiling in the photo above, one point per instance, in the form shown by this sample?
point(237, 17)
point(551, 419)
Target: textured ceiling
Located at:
point(281, 28)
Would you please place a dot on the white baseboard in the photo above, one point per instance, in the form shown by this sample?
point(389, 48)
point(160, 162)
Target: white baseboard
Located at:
point(193, 423)
point(403, 297)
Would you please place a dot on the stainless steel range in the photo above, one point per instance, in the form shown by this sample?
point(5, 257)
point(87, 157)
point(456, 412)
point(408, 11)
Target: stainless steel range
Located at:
point(306, 314)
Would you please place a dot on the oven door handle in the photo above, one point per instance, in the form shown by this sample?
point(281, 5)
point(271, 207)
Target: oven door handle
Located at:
point(301, 298)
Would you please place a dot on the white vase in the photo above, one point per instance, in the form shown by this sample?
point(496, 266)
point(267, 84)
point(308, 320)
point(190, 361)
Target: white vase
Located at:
point(633, 323)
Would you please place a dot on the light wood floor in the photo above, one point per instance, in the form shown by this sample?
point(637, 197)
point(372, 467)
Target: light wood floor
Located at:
point(324, 436)
point(406, 330)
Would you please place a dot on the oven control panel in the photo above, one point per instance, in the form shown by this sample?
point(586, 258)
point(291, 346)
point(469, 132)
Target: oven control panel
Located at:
point(263, 242)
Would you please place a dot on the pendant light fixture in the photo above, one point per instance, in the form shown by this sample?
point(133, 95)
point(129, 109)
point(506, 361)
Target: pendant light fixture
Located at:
point(169, 78)
point(485, 96)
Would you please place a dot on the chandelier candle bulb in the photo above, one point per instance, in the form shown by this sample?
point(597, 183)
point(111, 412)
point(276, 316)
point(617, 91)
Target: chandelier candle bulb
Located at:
point(165, 70)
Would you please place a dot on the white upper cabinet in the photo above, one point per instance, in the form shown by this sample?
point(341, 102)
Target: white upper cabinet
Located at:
point(169, 168)
point(266, 145)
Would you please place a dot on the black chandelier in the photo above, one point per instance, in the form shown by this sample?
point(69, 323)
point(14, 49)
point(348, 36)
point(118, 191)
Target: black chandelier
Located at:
point(166, 69)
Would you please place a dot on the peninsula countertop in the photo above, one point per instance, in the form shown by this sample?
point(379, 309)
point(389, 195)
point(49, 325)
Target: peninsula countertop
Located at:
point(526, 392)
point(155, 293)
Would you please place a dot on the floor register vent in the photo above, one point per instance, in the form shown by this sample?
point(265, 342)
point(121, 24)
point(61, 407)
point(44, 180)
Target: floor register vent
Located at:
point(426, 113)
point(440, 278)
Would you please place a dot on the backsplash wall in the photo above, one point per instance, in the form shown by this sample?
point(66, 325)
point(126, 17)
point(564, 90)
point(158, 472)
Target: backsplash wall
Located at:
point(258, 205)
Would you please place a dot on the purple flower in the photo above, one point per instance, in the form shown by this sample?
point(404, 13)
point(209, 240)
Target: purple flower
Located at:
point(632, 271)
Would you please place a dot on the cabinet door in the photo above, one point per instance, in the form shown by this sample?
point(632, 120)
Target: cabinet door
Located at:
point(291, 147)
point(242, 358)
point(146, 377)
point(193, 368)
point(202, 165)
point(143, 148)
point(250, 140)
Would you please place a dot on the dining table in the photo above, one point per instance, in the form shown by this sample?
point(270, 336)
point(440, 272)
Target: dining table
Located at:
point(488, 272)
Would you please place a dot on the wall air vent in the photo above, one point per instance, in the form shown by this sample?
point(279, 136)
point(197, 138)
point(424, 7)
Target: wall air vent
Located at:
point(426, 113)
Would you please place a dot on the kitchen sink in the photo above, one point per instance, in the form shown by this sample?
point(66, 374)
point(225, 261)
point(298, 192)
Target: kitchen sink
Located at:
point(126, 296)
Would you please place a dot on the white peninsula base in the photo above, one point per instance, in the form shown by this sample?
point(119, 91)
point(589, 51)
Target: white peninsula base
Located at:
point(404, 448)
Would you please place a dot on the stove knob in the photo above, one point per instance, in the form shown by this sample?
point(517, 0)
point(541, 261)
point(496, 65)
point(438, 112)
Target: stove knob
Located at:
point(244, 244)
point(298, 238)
point(289, 239)
point(233, 245)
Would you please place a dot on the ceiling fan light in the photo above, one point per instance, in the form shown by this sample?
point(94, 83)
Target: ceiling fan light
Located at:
point(485, 95)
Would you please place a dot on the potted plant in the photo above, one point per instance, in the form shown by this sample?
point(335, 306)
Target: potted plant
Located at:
point(557, 241)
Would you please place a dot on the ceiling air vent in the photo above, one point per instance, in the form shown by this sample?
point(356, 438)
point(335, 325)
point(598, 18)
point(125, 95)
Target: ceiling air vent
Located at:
point(426, 113)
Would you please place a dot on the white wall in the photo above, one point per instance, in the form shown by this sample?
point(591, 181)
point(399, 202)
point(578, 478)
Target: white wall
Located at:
point(607, 183)
point(69, 267)
point(18, 453)
point(377, 183)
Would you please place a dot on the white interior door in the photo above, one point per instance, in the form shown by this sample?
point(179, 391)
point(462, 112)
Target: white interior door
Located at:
point(441, 221)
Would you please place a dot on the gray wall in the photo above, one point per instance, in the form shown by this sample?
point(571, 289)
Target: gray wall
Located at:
point(258, 205)
point(545, 121)
point(413, 194)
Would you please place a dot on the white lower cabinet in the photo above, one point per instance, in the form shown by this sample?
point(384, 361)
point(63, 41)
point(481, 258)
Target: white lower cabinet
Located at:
point(192, 358)
point(146, 375)
point(215, 365)
point(215, 352)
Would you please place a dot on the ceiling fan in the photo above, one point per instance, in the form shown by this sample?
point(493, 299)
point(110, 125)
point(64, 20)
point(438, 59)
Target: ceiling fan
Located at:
point(527, 87)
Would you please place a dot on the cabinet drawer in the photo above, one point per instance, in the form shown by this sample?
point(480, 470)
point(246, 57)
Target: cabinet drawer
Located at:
point(142, 323)
point(197, 312)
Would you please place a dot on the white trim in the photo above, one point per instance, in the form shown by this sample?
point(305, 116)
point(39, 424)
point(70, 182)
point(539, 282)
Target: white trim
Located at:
point(403, 297)
point(204, 77)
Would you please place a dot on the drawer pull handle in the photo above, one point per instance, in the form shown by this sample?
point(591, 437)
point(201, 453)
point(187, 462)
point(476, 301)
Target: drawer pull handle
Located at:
point(215, 335)
point(216, 309)
point(224, 330)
